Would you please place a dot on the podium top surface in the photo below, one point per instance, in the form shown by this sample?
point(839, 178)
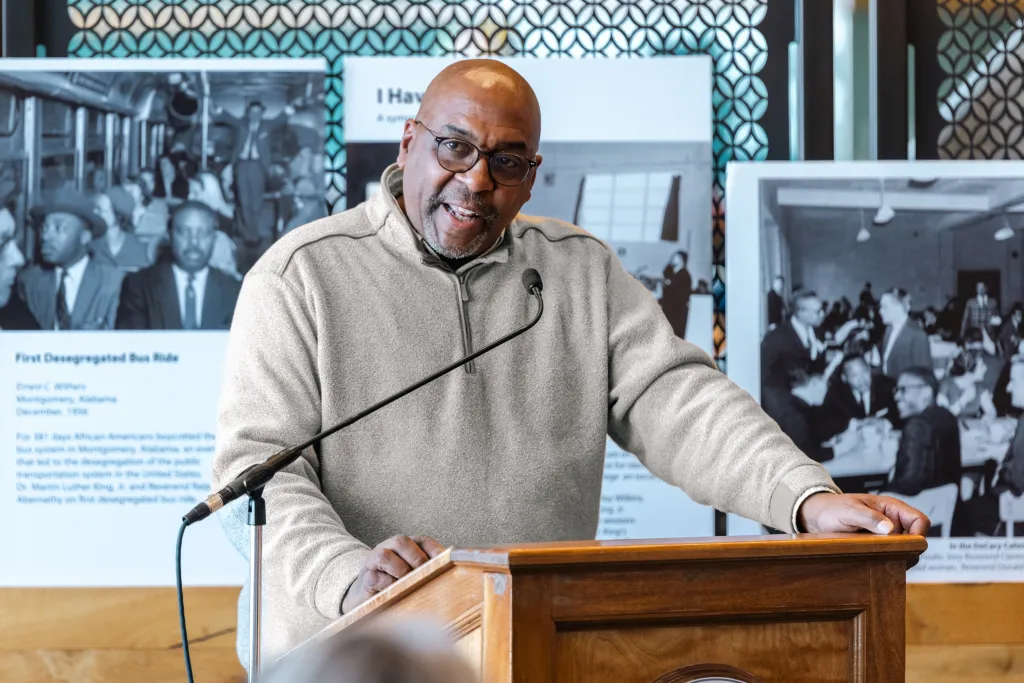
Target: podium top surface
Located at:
point(782, 546)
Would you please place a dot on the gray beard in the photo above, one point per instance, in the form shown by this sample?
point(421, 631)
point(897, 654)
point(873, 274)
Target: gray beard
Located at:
point(433, 239)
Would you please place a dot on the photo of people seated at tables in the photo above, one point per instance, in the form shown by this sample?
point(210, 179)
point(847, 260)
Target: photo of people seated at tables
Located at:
point(896, 359)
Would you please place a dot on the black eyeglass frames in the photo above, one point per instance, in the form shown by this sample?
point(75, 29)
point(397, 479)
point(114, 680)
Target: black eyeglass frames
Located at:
point(458, 156)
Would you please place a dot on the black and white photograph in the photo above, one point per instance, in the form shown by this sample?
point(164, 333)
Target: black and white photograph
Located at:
point(137, 197)
point(651, 202)
point(889, 324)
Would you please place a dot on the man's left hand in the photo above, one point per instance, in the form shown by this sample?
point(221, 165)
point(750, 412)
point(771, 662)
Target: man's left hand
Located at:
point(833, 513)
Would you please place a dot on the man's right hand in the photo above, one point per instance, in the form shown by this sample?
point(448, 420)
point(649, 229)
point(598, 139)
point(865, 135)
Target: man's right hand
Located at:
point(388, 562)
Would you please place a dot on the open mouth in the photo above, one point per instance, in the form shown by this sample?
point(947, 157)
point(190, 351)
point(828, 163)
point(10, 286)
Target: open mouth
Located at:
point(463, 217)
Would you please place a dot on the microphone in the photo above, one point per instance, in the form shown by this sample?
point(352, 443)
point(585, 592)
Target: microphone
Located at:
point(252, 479)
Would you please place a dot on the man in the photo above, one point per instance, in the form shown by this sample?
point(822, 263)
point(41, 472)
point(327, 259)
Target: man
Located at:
point(14, 314)
point(71, 290)
point(859, 394)
point(676, 294)
point(250, 162)
point(929, 450)
point(979, 311)
point(795, 342)
point(776, 302)
point(798, 411)
point(1012, 332)
point(186, 294)
point(904, 344)
point(345, 311)
point(1011, 473)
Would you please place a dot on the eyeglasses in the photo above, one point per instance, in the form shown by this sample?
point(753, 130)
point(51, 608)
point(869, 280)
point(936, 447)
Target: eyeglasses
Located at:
point(458, 156)
point(904, 388)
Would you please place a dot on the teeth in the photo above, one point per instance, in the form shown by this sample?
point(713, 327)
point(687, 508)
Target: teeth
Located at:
point(461, 213)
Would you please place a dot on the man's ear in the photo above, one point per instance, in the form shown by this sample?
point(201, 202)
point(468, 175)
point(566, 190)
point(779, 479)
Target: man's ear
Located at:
point(403, 146)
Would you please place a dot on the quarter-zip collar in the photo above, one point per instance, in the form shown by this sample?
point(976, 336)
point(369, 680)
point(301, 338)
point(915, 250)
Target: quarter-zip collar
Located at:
point(384, 213)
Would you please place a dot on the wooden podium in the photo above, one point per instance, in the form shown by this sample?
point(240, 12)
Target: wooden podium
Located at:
point(766, 609)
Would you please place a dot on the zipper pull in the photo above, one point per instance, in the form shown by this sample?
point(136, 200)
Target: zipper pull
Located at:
point(463, 290)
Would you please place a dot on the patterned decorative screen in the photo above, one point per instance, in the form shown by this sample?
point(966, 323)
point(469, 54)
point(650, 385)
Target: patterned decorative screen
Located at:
point(728, 30)
point(981, 96)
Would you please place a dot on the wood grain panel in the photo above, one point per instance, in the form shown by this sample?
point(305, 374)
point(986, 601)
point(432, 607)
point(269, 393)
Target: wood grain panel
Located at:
point(965, 663)
point(115, 618)
point(768, 587)
point(955, 633)
point(965, 613)
point(117, 666)
point(640, 655)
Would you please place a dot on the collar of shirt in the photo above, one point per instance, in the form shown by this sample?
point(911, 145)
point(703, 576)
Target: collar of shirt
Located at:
point(181, 277)
point(805, 333)
point(76, 272)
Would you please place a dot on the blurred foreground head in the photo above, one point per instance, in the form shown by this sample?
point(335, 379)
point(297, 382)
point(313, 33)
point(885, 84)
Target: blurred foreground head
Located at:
point(384, 651)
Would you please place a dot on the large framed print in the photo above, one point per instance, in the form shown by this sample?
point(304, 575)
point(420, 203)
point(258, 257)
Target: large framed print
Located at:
point(875, 311)
point(134, 196)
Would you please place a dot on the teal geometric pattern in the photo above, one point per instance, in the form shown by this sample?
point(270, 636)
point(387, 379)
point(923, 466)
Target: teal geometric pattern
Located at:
point(725, 29)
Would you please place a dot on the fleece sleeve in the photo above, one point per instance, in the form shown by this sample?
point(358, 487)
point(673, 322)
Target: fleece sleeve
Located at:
point(690, 424)
point(271, 399)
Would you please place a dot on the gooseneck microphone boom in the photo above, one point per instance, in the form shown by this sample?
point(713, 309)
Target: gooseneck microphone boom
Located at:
point(254, 478)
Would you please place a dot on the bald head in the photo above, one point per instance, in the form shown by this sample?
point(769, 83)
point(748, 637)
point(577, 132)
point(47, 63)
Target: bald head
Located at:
point(478, 126)
point(485, 80)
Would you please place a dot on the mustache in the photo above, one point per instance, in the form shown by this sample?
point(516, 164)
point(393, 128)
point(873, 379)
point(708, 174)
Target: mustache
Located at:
point(464, 198)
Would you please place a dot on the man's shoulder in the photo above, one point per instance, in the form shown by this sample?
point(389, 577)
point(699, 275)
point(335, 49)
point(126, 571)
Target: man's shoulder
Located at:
point(351, 224)
point(148, 276)
point(225, 281)
point(106, 272)
point(551, 229)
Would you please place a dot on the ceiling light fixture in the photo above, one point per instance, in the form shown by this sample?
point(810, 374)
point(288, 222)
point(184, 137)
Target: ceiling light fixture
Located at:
point(1004, 233)
point(885, 213)
point(863, 235)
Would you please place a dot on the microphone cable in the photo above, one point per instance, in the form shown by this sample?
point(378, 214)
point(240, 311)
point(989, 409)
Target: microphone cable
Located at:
point(181, 603)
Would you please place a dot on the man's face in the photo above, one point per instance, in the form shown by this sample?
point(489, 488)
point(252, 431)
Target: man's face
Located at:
point(809, 311)
point(192, 237)
point(912, 395)
point(64, 238)
point(461, 214)
point(857, 375)
point(777, 285)
point(890, 309)
point(981, 289)
point(1016, 386)
point(105, 209)
point(11, 258)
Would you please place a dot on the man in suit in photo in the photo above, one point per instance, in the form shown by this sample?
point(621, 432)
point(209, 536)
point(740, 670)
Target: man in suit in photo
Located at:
point(795, 341)
point(797, 408)
point(929, 450)
point(905, 343)
point(70, 290)
point(979, 311)
point(677, 292)
point(858, 394)
point(250, 161)
point(186, 293)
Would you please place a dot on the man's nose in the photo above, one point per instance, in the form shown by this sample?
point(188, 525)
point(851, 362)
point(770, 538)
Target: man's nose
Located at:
point(478, 178)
